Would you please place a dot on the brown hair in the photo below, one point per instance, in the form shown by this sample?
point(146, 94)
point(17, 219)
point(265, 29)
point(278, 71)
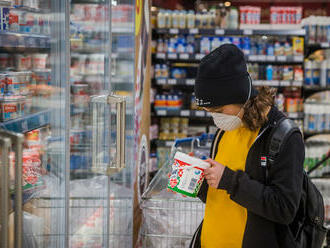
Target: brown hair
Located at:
point(255, 110)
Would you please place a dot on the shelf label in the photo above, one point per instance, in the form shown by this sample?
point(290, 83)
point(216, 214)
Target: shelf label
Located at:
point(169, 143)
point(42, 43)
point(200, 113)
point(281, 58)
point(190, 82)
point(208, 114)
point(270, 58)
point(161, 81)
point(293, 115)
point(247, 32)
point(258, 83)
point(325, 45)
point(199, 56)
point(219, 32)
point(298, 58)
point(172, 56)
point(160, 56)
point(297, 83)
point(253, 57)
point(171, 81)
point(24, 125)
point(184, 56)
point(193, 31)
point(174, 31)
point(20, 41)
point(42, 120)
point(285, 83)
point(261, 57)
point(162, 112)
point(185, 113)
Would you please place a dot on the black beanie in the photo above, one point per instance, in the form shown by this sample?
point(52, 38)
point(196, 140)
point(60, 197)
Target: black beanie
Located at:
point(222, 78)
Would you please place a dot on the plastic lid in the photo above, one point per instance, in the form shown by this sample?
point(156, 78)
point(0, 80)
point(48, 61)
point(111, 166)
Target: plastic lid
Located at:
point(191, 160)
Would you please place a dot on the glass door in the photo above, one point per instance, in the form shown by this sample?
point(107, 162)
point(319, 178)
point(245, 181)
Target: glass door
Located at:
point(102, 127)
point(33, 123)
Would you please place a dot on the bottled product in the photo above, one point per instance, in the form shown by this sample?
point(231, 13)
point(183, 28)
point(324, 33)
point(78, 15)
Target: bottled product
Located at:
point(233, 19)
point(269, 73)
point(161, 21)
point(183, 19)
point(205, 45)
point(191, 19)
point(168, 19)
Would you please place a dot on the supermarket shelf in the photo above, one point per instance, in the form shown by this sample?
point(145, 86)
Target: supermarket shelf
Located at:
point(250, 58)
point(23, 40)
point(27, 123)
point(191, 82)
point(295, 115)
point(319, 45)
point(183, 113)
point(164, 143)
point(309, 133)
point(247, 31)
point(316, 87)
point(88, 1)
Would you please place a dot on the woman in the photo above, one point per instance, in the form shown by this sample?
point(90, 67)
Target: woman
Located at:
point(241, 209)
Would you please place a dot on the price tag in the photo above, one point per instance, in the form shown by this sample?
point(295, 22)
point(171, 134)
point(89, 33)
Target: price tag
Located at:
point(270, 58)
point(285, 83)
point(174, 31)
point(42, 43)
point(281, 58)
point(42, 120)
point(161, 112)
point(171, 81)
point(298, 58)
point(21, 41)
point(161, 81)
point(169, 143)
point(172, 56)
point(200, 113)
point(261, 57)
point(24, 125)
point(293, 115)
point(253, 57)
point(160, 55)
point(325, 45)
point(185, 113)
point(219, 32)
point(208, 114)
point(199, 56)
point(297, 83)
point(184, 56)
point(258, 82)
point(190, 82)
point(247, 32)
point(193, 31)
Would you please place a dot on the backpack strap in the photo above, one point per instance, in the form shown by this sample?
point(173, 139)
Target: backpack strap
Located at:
point(281, 131)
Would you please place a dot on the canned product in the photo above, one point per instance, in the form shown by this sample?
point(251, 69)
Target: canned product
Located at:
point(187, 174)
point(4, 18)
point(10, 108)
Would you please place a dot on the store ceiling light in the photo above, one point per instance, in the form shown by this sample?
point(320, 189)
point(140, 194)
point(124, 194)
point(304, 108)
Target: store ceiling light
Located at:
point(227, 4)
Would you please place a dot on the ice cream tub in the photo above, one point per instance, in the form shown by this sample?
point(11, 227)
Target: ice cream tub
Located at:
point(187, 174)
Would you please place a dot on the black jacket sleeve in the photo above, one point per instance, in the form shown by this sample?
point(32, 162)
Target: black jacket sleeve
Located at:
point(202, 194)
point(277, 201)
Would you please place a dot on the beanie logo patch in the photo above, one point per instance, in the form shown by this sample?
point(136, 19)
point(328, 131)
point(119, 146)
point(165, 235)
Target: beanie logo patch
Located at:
point(201, 102)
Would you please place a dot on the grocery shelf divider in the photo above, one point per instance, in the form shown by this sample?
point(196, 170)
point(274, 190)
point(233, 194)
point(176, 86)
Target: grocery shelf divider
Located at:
point(23, 40)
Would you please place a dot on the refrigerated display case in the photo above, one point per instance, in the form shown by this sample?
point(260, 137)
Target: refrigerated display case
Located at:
point(67, 123)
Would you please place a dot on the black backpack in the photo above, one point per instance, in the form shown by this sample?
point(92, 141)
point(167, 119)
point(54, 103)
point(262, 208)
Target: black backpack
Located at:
point(308, 225)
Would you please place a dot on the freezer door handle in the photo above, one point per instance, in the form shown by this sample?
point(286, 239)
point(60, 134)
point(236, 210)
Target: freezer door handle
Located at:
point(98, 116)
point(5, 146)
point(17, 140)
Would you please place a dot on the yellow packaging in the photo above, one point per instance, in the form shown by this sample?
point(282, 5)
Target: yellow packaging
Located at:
point(298, 45)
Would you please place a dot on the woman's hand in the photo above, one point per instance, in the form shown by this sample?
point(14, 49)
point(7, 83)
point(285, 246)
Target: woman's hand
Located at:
point(214, 174)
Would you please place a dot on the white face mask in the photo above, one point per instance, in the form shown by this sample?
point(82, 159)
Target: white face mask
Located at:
point(226, 122)
point(229, 122)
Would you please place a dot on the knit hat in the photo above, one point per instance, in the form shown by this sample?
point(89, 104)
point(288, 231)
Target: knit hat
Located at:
point(222, 78)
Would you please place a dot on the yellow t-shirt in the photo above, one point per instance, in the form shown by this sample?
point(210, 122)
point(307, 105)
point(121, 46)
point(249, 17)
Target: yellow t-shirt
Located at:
point(225, 220)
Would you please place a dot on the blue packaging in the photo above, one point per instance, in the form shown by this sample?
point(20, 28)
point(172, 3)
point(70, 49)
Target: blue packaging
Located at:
point(269, 72)
point(308, 72)
point(236, 41)
point(227, 40)
point(4, 18)
point(316, 73)
point(270, 49)
point(246, 46)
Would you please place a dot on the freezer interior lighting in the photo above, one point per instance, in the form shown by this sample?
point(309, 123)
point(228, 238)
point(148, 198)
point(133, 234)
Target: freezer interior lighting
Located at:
point(227, 4)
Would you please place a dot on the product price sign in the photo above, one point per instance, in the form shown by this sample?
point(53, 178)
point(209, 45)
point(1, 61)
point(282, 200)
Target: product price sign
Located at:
point(190, 81)
point(284, 83)
point(325, 44)
point(171, 81)
point(185, 113)
point(270, 58)
point(160, 56)
point(219, 32)
point(293, 115)
point(298, 58)
point(161, 81)
point(297, 83)
point(161, 112)
point(261, 57)
point(258, 82)
point(193, 31)
point(253, 58)
point(184, 56)
point(174, 31)
point(172, 56)
point(247, 32)
point(199, 56)
point(200, 113)
point(281, 58)
point(169, 143)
